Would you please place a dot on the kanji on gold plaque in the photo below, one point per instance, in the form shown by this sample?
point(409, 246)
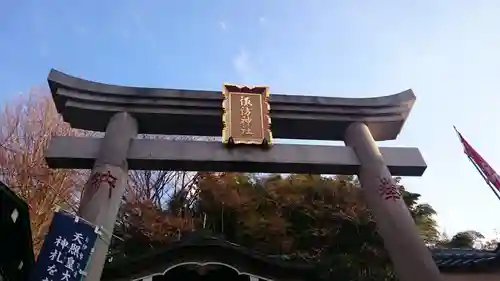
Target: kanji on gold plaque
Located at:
point(246, 117)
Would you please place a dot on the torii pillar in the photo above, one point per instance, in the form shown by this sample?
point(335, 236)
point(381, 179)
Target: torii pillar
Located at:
point(103, 192)
point(411, 258)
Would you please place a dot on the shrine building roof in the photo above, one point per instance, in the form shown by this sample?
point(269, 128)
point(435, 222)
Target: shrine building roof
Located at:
point(466, 260)
point(202, 250)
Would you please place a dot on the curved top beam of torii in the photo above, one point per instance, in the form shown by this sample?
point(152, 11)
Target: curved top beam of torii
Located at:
point(89, 105)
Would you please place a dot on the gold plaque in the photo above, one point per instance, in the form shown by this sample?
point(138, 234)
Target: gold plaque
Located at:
point(246, 118)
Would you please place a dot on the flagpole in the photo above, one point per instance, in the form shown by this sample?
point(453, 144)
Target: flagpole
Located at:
point(484, 177)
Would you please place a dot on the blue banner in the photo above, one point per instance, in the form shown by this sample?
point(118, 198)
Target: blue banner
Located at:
point(66, 249)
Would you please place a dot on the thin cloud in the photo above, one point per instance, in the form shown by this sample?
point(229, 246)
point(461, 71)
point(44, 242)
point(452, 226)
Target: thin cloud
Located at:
point(242, 65)
point(262, 20)
point(222, 25)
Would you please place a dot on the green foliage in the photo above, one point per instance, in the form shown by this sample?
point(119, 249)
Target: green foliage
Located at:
point(311, 218)
point(423, 215)
point(463, 239)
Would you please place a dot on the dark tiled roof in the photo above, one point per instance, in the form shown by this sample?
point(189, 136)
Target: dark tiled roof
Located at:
point(203, 242)
point(466, 259)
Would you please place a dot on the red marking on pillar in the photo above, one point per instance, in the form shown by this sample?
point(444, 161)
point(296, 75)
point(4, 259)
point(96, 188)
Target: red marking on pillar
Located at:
point(97, 178)
point(388, 190)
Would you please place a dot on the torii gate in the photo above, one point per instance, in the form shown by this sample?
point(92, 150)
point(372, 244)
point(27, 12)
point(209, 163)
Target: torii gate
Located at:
point(123, 112)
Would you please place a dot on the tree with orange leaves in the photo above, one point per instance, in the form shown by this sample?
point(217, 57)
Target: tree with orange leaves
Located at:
point(25, 130)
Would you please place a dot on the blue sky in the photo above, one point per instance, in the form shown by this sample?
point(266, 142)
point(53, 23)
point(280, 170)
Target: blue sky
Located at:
point(447, 51)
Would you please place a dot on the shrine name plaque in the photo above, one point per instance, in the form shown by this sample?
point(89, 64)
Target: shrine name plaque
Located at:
point(246, 118)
